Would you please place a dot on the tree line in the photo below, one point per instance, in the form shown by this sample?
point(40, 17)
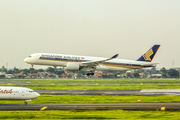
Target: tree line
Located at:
point(166, 73)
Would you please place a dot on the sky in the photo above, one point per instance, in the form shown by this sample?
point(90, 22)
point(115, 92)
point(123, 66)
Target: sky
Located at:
point(99, 28)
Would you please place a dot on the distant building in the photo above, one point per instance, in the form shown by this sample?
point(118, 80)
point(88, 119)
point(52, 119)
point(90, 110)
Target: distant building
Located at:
point(141, 75)
point(42, 75)
point(2, 73)
point(98, 74)
point(19, 75)
point(156, 76)
point(9, 76)
point(177, 68)
point(64, 75)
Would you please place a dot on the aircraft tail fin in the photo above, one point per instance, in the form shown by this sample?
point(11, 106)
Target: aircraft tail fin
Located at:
point(149, 55)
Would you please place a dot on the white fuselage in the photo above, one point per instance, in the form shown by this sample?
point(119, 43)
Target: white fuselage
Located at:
point(61, 60)
point(17, 93)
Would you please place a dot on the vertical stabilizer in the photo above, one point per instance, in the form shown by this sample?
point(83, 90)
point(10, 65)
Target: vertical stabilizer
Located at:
point(149, 55)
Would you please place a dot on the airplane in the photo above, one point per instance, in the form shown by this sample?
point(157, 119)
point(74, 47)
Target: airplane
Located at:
point(17, 93)
point(77, 62)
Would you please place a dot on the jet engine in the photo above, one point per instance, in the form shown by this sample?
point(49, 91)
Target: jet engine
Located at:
point(73, 66)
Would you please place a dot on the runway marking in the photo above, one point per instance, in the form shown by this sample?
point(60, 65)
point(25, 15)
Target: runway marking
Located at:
point(162, 108)
point(43, 108)
point(80, 93)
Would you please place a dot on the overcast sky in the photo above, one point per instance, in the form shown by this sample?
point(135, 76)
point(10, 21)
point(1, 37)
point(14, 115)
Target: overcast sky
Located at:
point(89, 27)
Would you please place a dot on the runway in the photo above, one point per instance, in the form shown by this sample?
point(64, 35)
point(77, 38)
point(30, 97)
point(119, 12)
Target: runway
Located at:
point(135, 92)
point(93, 106)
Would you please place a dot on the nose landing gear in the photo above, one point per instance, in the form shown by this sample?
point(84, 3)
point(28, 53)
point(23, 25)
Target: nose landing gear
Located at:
point(26, 102)
point(32, 67)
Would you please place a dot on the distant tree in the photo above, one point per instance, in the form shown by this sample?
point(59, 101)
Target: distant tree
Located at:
point(145, 74)
point(84, 72)
point(2, 76)
point(136, 74)
point(10, 72)
point(152, 70)
point(117, 73)
point(40, 70)
point(59, 72)
point(158, 72)
point(33, 71)
point(141, 70)
point(163, 72)
point(173, 73)
point(4, 69)
point(50, 69)
point(16, 70)
point(128, 75)
point(26, 71)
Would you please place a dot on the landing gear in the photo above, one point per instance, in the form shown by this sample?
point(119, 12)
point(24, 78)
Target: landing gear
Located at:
point(90, 73)
point(26, 102)
point(32, 67)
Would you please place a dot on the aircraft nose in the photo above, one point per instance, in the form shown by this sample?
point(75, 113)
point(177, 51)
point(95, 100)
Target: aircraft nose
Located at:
point(26, 60)
point(37, 94)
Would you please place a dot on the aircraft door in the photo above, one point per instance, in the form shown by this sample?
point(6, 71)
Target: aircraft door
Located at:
point(37, 56)
point(23, 92)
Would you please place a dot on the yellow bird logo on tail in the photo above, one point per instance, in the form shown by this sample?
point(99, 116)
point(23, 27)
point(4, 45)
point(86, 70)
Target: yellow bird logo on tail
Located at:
point(148, 55)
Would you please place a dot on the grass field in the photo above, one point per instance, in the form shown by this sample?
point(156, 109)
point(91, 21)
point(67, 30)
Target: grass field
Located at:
point(94, 81)
point(89, 114)
point(97, 99)
point(95, 84)
point(98, 87)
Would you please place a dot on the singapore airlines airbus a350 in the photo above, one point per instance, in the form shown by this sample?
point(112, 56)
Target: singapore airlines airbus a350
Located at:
point(77, 62)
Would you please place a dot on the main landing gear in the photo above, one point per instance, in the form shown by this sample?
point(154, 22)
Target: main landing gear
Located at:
point(90, 73)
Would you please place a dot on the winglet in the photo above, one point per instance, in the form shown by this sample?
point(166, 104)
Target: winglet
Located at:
point(115, 56)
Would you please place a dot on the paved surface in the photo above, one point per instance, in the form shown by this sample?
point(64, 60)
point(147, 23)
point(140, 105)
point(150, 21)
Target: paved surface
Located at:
point(144, 92)
point(94, 106)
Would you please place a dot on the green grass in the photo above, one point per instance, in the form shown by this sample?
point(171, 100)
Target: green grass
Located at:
point(91, 81)
point(96, 84)
point(90, 114)
point(99, 86)
point(97, 99)
point(94, 81)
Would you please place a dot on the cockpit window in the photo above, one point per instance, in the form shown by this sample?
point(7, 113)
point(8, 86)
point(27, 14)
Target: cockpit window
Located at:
point(30, 56)
point(31, 91)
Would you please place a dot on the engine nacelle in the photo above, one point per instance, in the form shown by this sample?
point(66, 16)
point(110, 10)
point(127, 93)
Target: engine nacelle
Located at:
point(73, 66)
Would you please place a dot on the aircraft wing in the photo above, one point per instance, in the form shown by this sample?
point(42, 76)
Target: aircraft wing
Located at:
point(97, 62)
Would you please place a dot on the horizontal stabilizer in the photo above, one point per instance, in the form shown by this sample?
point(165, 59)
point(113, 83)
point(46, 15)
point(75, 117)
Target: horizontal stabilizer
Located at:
point(149, 64)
